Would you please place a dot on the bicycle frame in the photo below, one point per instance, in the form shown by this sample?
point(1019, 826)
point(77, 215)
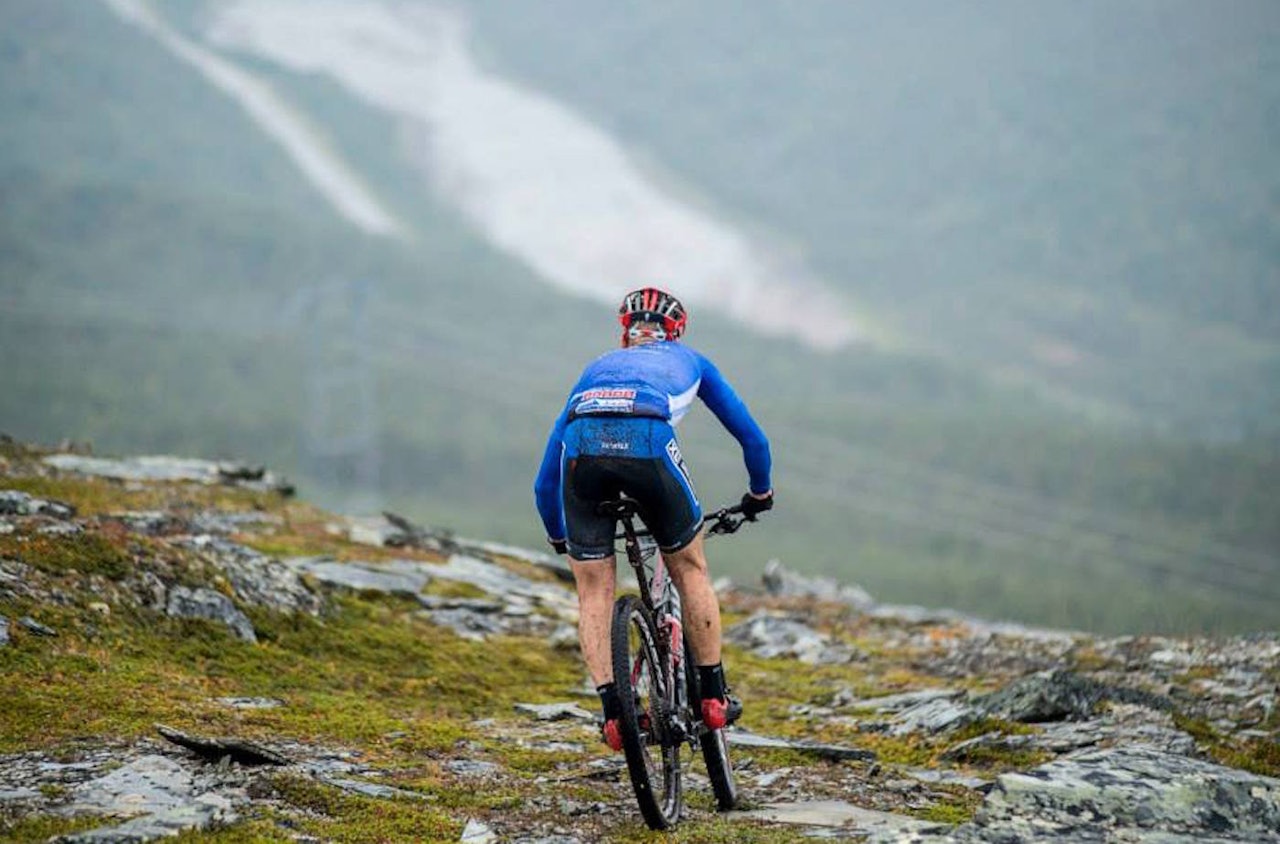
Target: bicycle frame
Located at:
point(660, 597)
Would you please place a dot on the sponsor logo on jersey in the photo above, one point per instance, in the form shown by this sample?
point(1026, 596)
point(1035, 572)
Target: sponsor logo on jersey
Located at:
point(606, 400)
point(590, 406)
point(609, 393)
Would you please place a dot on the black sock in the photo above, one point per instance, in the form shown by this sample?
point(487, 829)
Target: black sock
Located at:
point(609, 701)
point(711, 680)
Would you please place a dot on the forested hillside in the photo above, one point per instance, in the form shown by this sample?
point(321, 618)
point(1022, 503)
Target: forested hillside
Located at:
point(1040, 431)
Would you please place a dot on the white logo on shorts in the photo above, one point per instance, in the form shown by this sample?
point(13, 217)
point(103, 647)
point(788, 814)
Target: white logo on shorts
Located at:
point(673, 451)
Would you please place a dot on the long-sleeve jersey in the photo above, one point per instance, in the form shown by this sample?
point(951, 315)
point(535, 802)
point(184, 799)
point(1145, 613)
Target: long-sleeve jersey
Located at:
point(658, 380)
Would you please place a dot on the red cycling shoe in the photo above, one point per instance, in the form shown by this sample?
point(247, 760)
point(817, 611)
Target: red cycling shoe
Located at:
point(612, 731)
point(718, 713)
point(613, 734)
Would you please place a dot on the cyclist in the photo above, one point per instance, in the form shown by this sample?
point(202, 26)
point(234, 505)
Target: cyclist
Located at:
point(615, 435)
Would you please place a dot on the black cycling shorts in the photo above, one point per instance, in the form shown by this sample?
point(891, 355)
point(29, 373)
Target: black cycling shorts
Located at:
point(665, 498)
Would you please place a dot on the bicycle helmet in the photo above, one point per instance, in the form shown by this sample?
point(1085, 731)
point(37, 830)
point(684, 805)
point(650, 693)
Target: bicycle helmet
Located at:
point(649, 304)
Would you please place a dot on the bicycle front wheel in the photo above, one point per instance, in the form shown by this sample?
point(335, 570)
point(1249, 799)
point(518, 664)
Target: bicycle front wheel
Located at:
point(640, 671)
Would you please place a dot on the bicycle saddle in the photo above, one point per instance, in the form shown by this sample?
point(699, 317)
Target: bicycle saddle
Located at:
point(618, 509)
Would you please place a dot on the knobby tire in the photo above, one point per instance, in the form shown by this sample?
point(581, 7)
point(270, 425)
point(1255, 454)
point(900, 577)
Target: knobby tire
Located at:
point(715, 744)
point(656, 782)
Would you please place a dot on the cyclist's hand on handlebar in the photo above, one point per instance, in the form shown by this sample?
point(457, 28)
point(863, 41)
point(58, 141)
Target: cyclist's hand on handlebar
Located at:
point(560, 546)
point(753, 505)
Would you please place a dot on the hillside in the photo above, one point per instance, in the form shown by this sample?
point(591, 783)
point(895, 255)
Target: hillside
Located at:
point(200, 652)
point(171, 280)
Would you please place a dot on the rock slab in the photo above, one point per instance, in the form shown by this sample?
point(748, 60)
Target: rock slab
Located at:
point(185, 602)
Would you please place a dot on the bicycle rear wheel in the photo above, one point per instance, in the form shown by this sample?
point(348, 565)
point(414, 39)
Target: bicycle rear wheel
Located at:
point(715, 745)
point(641, 673)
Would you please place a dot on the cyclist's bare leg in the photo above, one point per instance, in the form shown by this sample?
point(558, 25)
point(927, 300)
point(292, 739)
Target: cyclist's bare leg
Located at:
point(688, 568)
point(596, 582)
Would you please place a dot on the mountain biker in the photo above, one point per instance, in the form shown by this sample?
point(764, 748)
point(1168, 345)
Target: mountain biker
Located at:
point(615, 435)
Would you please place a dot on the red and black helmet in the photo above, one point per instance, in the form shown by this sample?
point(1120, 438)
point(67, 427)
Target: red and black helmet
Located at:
point(649, 304)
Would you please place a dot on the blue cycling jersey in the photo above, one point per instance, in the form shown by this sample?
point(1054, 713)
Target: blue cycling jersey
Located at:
point(654, 380)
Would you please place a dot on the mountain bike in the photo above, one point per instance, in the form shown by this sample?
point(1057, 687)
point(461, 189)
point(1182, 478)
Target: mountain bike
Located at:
point(657, 682)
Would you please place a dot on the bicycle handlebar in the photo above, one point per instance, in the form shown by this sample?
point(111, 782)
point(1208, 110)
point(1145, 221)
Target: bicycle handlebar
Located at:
point(719, 523)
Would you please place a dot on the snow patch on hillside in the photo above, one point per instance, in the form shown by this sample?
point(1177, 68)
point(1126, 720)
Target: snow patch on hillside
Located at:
point(539, 181)
point(320, 165)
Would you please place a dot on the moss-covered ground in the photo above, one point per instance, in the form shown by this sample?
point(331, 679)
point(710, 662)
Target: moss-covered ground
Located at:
point(373, 677)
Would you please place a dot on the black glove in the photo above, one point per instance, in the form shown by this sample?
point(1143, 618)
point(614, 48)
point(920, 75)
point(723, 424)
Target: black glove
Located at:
point(559, 545)
point(752, 506)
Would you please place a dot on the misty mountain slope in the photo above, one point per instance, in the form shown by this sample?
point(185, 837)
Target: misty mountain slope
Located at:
point(1080, 196)
point(188, 301)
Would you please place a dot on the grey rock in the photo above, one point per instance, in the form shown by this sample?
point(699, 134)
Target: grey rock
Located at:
point(216, 749)
point(933, 716)
point(1120, 722)
point(257, 579)
point(834, 752)
point(914, 614)
point(149, 522)
point(553, 563)
point(476, 605)
point(17, 795)
point(554, 746)
point(395, 577)
point(224, 522)
point(371, 789)
point(769, 635)
point(838, 813)
point(471, 767)
point(4, 631)
point(60, 529)
point(469, 624)
point(942, 776)
point(445, 542)
point(16, 503)
point(556, 711)
point(377, 531)
point(167, 468)
point(1058, 695)
point(148, 784)
point(894, 703)
point(780, 581)
point(36, 627)
point(496, 580)
point(201, 813)
point(185, 602)
point(1143, 787)
point(477, 832)
point(963, 751)
point(250, 702)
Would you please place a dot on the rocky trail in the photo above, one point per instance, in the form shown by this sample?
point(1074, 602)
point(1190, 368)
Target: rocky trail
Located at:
point(186, 649)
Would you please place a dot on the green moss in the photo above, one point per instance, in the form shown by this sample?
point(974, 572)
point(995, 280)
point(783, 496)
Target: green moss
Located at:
point(714, 830)
point(40, 828)
point(370, 670)
point(53, 791)
point(990, 725)
point(530, 760)
point(98, 496)
point(958, 809)
point(454, 589)
point(335, 815)
point(87, 553)
point(1256, 755)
